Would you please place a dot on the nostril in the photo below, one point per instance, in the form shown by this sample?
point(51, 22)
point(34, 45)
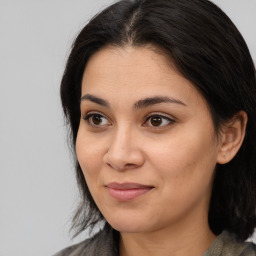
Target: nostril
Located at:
point(121, 167)
point(130, 165)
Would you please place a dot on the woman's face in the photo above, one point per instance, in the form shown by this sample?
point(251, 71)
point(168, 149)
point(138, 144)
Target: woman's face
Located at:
point(146, 142)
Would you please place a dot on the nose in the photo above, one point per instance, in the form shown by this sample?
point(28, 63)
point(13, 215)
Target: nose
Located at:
point(124, 151)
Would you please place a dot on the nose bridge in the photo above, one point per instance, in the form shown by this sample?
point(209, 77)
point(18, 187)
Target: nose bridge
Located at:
point(124, 150)
point(122, 139)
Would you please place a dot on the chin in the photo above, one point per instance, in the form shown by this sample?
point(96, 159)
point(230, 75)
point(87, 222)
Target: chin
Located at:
point(130, 225)
point(126, 228)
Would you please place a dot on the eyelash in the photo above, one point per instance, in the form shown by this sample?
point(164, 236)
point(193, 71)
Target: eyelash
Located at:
point(170, 121)
point(162, 117)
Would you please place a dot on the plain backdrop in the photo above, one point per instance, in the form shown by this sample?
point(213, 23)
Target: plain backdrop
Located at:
point(37, 186)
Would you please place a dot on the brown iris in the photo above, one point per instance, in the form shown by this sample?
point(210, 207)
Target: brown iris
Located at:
point(156, 121)
point(96, 119)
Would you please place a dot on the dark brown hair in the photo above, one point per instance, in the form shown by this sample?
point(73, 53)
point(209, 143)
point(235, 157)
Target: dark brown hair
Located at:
point(207, 49)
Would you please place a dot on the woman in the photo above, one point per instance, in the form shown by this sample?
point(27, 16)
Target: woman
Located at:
point(161, 97)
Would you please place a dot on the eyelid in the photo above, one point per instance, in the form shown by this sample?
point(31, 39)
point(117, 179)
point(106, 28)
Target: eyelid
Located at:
point(161, 114)
point(92, 112)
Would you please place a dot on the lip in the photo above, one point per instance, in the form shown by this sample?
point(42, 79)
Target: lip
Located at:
point(127, 191)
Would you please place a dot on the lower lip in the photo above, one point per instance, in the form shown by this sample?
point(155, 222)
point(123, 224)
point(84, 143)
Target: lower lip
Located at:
point(127, 194)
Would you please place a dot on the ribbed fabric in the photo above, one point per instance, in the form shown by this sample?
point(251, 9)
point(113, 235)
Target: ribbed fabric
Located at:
point(226, 244)
point(105, 243)
point(102, 244)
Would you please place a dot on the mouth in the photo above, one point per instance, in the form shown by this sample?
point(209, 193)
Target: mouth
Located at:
point(127, 191)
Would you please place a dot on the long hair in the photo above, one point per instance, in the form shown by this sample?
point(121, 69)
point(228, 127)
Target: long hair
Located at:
point(208, 50)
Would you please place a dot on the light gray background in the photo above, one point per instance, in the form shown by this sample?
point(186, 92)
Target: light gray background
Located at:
point(37, 187)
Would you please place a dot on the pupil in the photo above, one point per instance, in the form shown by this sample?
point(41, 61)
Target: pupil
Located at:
point(96, 119)
point(156, 121)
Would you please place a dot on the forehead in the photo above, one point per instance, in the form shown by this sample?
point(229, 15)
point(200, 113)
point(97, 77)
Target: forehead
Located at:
point(134, 61)
point(115, 72)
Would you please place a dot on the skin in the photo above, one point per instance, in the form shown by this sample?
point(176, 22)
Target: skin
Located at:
point(175, 152)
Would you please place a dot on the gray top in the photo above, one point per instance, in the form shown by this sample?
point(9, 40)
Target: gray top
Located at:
point(103, 244)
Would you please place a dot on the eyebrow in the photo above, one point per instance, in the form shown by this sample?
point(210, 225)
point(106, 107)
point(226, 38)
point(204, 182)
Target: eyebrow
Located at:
point(156, 100)
point(95, 100)
point(139, 104)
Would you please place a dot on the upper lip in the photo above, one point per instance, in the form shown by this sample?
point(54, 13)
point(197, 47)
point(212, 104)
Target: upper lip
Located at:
point(127, 185)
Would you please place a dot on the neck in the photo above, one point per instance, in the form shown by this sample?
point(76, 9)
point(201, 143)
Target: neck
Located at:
point(169, 241)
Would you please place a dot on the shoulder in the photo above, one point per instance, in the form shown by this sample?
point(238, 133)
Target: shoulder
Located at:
point(227, 244)
point(103, 243)
point(73, 250)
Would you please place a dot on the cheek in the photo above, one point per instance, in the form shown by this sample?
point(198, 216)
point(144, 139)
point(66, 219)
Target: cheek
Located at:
point(186, 172)
point(89, 153)
point(184, 160)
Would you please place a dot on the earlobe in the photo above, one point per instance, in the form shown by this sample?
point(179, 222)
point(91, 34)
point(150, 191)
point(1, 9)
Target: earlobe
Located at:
point(232, 136)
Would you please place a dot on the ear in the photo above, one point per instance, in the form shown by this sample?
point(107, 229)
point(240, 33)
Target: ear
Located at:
point(232, 136)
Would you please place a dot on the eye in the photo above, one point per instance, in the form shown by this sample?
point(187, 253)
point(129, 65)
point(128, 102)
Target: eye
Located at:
point(157, 120)
point(96, 119)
